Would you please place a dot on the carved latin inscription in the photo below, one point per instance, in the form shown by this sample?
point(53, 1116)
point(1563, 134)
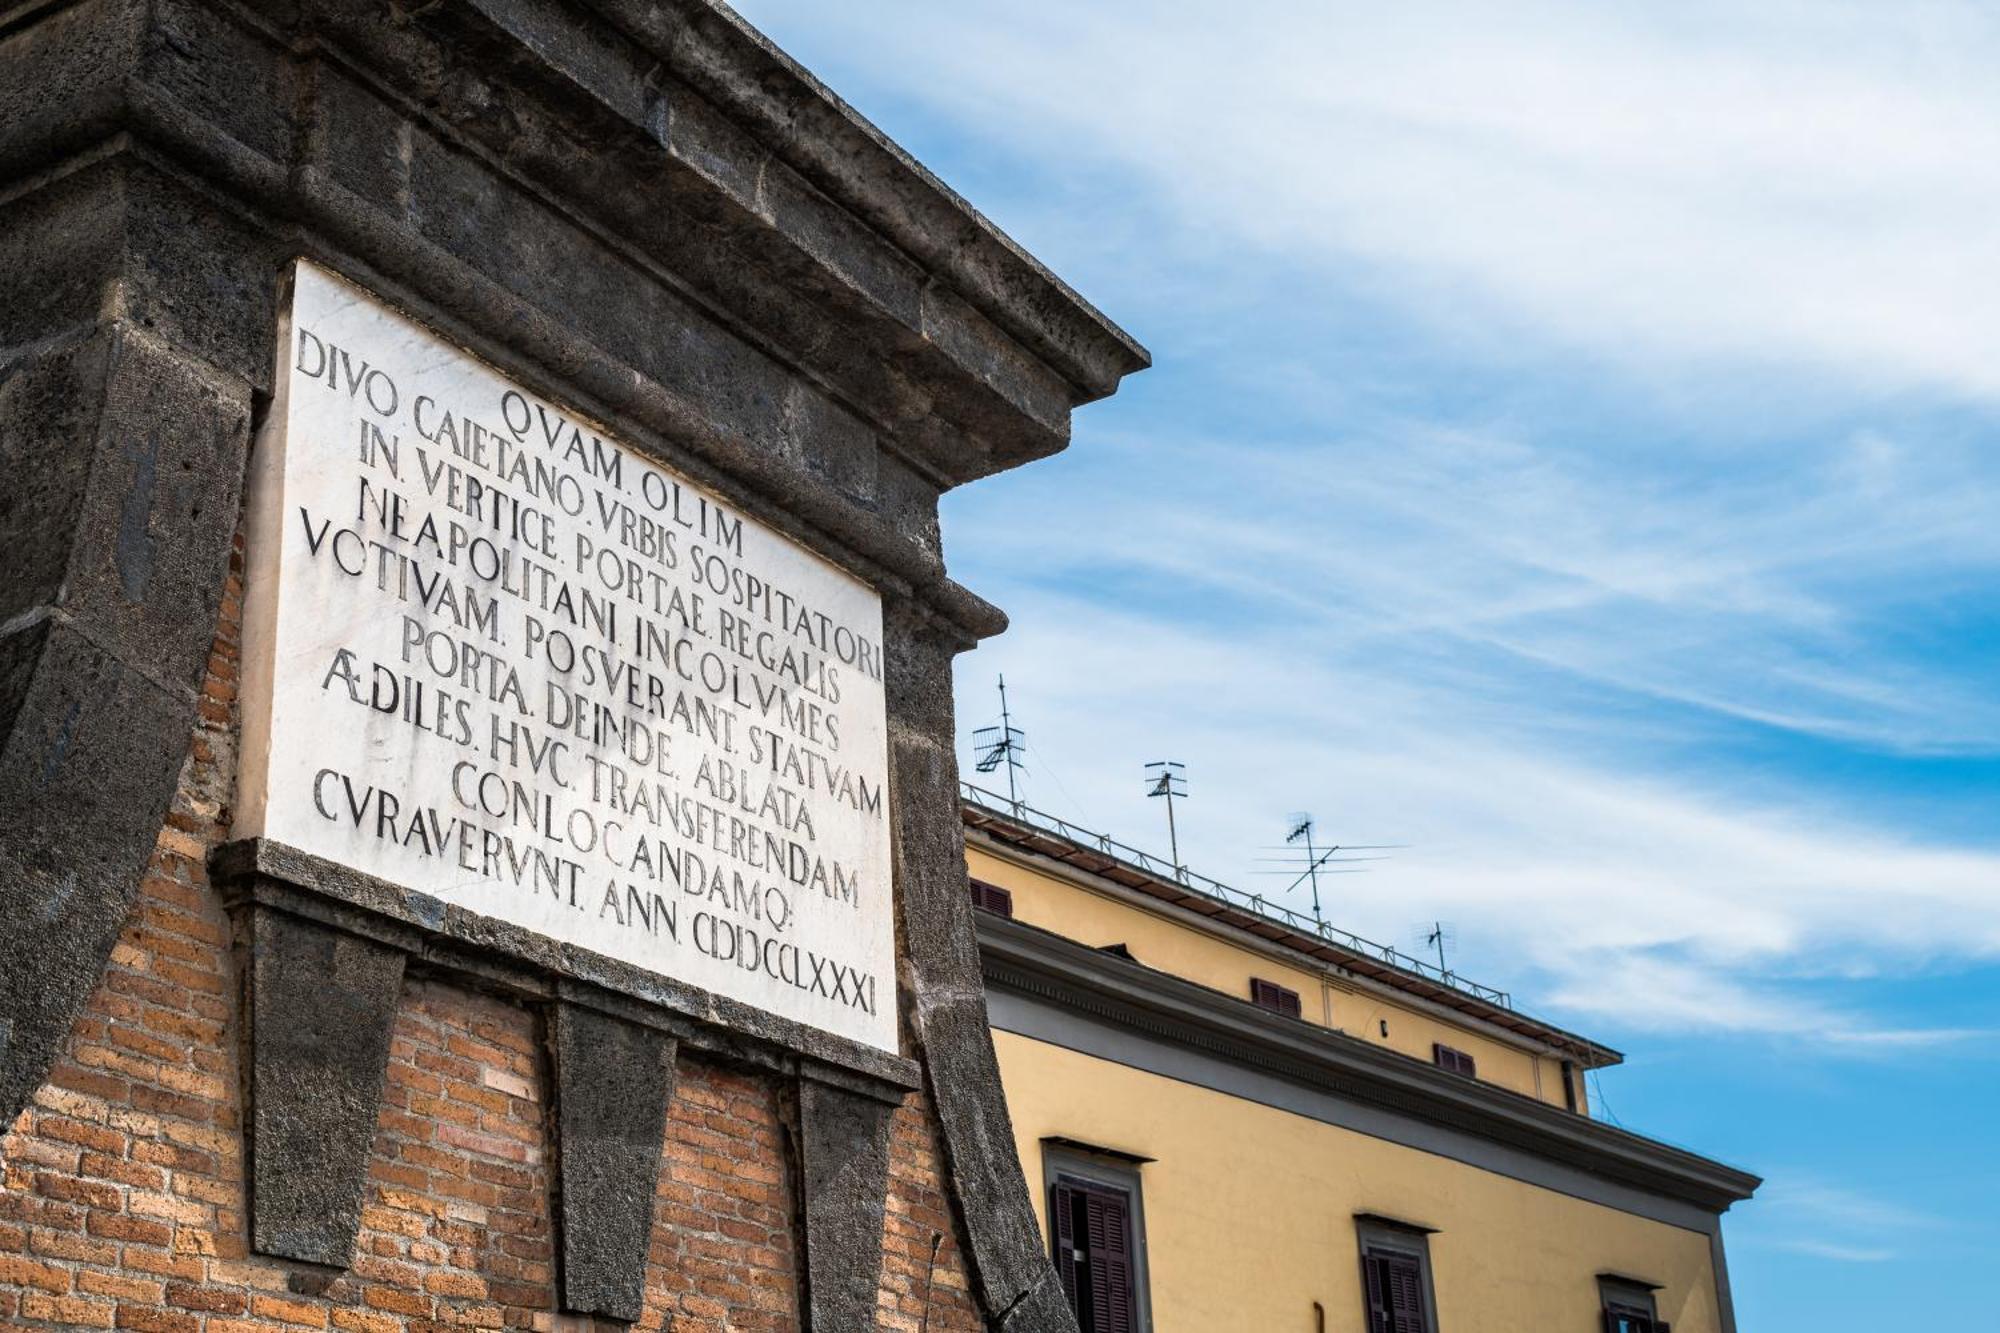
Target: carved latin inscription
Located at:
point(496, 657)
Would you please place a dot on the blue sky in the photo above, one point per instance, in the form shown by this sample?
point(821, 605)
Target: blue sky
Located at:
point(1569, 453)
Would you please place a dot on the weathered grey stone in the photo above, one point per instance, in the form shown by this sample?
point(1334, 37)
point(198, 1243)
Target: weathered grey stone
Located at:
point(87, 766)
point(946, 1000)
point(964, 1074)
point(1041, 1309)
point(935, 896)
point(613, 1082)
point(125, 524)
point(124, 459)
point(322, 1004)
point(844, 1181)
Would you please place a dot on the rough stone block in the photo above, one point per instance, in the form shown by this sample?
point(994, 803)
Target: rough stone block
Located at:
point(844, 1165)
point(934, 895)
point(60, 253)
point(613, 1082)
point(985, 1165)
point(1042, 1309)
point(89, 749)
point(322, 1005)
point(128, 460)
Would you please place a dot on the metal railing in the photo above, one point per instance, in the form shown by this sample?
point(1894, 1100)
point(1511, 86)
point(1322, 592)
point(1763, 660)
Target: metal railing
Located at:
point(1277, 913)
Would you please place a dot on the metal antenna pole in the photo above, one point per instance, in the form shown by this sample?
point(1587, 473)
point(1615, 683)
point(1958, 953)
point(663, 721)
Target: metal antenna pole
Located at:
point(1007, 731)
point(1169, 782)
point(1002, 745)
point(1303, 830)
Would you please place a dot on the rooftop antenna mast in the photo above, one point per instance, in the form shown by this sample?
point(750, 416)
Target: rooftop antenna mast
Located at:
point(1439, 935)
point(1319, 859)
point(1302, 831)
point(1166, 778)
point(1001, 745)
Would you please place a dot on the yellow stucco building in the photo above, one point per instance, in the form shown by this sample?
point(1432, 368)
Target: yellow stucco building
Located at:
point(1235, 1118)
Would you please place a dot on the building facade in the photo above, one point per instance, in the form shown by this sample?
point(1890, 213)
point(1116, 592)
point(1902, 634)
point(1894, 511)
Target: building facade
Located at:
point(1237, 1118)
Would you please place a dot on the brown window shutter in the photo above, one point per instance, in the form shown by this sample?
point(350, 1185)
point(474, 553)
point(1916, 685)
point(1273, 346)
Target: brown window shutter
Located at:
point(993, 898)
point(1109, 1216)
point(1279, 999)
point(1455, 1061)
point(1395, 1285)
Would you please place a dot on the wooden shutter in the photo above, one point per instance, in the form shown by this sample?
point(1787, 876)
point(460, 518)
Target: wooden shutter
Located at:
point(1062, 1227)
point(1404, 1278)
point(993, 898)
point(1455, 1061)
point(1378, 1294)
point(1108, 1216)
point(1395, 1283)
point(1270, 995)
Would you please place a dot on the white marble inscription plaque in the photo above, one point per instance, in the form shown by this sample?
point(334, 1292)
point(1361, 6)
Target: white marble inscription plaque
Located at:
point(496, 657)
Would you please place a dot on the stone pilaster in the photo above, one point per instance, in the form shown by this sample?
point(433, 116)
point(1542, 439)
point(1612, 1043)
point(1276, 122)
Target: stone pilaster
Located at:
point(946, 997)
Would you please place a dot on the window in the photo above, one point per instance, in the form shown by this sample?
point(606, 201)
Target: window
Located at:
point(1628, 1305)
point(1396, 1277)
point(993, 898)
point(1453, 1061)
point(1278, 999)
point(1097, 1230)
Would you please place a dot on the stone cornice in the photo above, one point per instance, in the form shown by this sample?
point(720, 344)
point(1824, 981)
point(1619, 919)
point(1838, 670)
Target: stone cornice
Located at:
point(830, 143)
point(1128, 995)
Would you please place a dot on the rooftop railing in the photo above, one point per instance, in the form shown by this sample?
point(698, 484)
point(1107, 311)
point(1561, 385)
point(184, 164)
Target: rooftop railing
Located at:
point(1257, 903)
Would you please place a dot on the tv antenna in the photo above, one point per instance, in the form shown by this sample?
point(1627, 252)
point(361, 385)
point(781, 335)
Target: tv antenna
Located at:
point(1319, 860)
point(1001, 745)
point(1166, 778)
point(1438, 935)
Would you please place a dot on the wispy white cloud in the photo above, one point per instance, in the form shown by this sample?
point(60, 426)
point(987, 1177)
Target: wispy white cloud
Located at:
point(1806, 1215)
point(1621, 898)
point(1846, 1254)
point(1789, 183)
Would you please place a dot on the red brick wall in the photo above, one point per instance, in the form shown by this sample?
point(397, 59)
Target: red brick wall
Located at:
point(122, 1197)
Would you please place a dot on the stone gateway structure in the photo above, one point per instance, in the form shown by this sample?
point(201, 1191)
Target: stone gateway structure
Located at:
point(479, 835)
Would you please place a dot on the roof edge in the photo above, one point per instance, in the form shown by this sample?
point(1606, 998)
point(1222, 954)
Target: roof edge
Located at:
point(715, 51)
point(1319, 949)
point(1018, 956)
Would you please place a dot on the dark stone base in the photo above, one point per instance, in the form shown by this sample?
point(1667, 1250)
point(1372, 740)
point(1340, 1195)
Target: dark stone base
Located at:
point(844, 1170)
point(613, 1082)
point(322, 1004)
